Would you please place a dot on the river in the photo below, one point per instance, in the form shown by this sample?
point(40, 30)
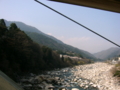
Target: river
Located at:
point(95, 76)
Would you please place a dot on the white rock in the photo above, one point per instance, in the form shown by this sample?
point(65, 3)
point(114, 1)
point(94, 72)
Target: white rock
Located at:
point(75, 89)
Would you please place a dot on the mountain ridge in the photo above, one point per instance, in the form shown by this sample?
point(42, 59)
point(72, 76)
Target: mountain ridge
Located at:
point(107, 54)
point(56, 44)
point(25, 27)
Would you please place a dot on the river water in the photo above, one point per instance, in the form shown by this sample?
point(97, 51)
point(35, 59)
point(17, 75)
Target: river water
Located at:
point(69, 81)
point(62, 79)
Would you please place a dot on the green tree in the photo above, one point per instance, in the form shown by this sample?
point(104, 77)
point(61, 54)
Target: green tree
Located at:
point(13, 26)
point(3, 28)
point(2, 22)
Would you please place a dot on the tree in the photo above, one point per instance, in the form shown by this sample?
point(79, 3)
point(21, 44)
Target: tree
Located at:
point(13, 26)
point(2, 22)
point(3, 28)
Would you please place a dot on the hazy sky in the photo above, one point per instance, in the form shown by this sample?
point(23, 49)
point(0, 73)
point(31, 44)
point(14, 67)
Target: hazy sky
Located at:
point(103, 22)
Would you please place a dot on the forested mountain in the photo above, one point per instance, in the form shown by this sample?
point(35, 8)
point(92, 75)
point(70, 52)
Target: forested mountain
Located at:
point(41, 39)
point(25, 27)
point(107, 54)
point(20, 54)
point(50, 41)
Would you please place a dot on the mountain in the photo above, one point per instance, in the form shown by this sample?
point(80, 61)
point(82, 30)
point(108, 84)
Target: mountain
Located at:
point(50, 41)
point(25, 27)
point(109, 53)
point(41, 39)
point(19, 54)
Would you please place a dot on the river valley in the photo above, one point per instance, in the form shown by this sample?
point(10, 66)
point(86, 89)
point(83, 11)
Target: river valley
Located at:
point(95, 76)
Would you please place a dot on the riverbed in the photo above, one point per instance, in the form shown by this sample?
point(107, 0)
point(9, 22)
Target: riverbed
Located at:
point(95, 76)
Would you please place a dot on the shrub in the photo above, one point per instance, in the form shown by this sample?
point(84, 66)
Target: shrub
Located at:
point(116, 70)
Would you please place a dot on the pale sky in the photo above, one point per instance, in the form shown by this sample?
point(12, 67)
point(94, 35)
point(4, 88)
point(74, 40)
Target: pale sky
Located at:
point(29, 12)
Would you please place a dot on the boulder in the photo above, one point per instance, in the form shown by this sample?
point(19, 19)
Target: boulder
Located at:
point(75, 89)
point(62, 88)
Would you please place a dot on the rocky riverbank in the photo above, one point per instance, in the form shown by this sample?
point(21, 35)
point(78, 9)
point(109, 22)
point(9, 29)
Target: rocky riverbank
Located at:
point(95, 76)
point(100, 74)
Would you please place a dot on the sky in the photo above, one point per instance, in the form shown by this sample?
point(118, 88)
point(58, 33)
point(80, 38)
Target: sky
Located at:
point(31, 13)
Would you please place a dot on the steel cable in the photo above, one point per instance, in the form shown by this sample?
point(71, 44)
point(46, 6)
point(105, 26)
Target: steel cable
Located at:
point(77, 23)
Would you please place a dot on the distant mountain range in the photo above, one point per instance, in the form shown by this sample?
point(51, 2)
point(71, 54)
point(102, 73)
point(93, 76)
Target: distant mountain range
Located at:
point(107, 54)
point(47, 40)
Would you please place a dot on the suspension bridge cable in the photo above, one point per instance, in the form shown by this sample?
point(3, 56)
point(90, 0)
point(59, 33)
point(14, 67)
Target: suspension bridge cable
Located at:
point(77, 23)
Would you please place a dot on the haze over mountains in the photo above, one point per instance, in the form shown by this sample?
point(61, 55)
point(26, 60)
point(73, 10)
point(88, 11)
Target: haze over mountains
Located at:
point(107, 54)
point(48, 40)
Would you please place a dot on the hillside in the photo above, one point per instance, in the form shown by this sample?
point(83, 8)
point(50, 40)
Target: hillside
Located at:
point(19, 54)
point(44, 39)
point(107, 54)
point(25, 27)
point(41, 39)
